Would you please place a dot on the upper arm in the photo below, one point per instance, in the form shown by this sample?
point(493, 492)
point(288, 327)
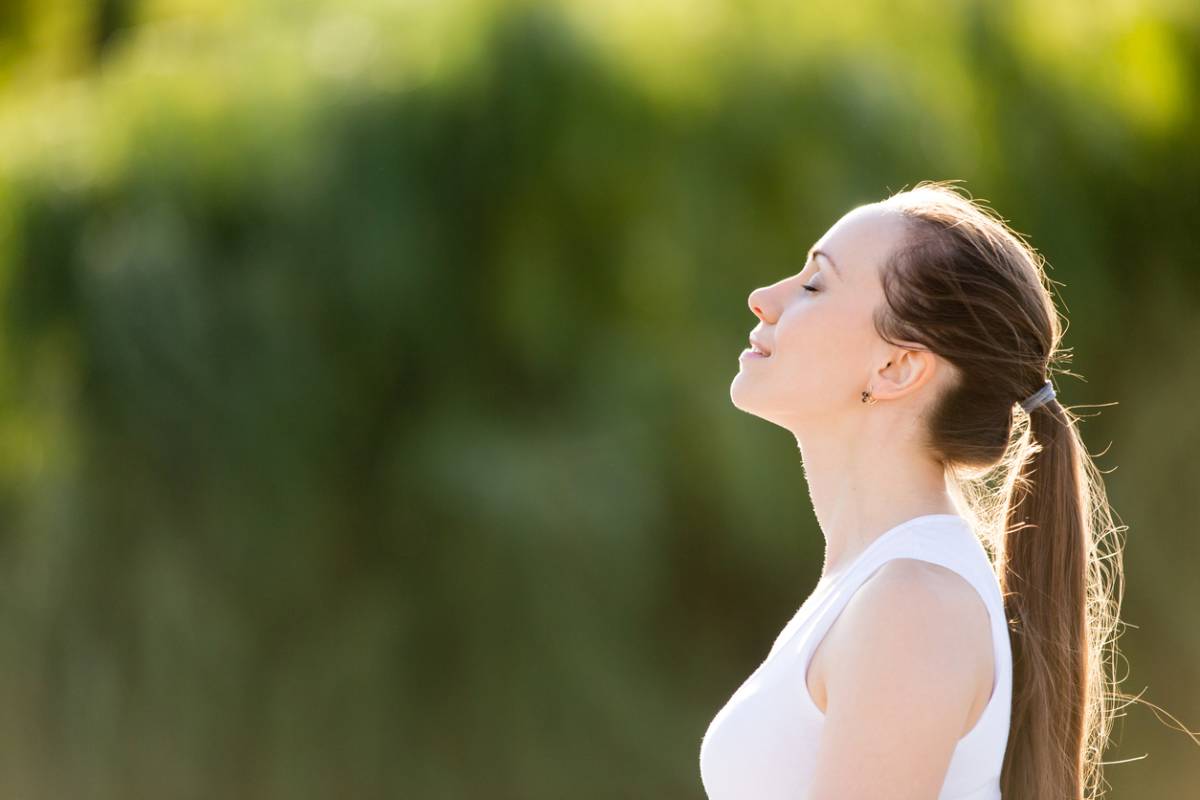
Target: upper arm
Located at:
point(902, 676)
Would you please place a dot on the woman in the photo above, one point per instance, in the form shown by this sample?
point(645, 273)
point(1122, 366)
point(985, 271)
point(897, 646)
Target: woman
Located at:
point(959, 641)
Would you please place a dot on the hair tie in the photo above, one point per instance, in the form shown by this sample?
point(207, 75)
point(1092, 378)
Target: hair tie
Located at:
point(1040, 397)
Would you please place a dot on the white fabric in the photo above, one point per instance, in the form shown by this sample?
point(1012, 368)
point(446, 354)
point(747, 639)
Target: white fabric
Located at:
point(763, 742)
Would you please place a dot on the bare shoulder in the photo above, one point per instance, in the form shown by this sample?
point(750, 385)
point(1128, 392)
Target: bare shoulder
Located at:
point(925, 582)
point(907, 672)
point(918, 621)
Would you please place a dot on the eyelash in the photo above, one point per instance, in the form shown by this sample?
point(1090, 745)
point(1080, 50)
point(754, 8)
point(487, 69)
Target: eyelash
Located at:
point(812, 289)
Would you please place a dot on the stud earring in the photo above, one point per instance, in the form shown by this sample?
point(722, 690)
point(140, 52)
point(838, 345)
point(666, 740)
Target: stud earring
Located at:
point(866, 396)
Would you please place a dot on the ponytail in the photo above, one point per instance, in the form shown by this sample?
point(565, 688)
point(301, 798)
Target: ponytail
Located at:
point(1062, 612)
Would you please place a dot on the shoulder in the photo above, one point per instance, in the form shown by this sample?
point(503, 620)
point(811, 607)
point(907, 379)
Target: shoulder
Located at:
point(905, 659)
point(930, 586)
point(918, 614)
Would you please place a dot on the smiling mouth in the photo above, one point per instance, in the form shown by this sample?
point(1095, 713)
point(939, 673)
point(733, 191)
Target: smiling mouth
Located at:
point(748, 353)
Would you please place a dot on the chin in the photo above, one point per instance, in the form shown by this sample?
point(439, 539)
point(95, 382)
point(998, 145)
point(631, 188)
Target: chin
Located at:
point(741, 395)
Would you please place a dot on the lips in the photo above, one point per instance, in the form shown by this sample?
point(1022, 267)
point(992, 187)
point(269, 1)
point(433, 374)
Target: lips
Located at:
point(757, 345)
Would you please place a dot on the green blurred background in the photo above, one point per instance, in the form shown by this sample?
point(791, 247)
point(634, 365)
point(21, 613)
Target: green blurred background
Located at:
point(364, 415)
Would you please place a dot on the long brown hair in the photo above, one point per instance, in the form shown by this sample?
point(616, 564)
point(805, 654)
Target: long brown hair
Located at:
point(973, 291)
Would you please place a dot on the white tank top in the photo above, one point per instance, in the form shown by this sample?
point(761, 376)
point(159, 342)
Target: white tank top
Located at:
point(762, 744)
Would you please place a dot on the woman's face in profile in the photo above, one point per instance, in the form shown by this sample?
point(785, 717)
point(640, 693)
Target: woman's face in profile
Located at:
point(816, 325)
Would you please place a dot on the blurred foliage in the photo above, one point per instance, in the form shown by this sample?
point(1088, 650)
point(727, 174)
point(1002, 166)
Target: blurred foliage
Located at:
point(364, 412)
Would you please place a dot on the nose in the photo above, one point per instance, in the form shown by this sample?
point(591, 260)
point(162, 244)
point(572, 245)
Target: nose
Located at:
point(757, 302)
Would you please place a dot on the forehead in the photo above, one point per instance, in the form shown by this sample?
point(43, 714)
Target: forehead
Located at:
point(861, 240)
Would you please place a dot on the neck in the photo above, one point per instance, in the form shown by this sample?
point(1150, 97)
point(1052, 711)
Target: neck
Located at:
point(863, 485)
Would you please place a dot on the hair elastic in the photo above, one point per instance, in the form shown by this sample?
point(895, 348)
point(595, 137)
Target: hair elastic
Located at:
point(1040, 397)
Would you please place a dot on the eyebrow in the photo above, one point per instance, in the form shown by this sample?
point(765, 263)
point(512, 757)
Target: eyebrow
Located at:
point(815, 252)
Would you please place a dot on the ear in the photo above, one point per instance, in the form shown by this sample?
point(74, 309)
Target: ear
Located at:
point(906, 371)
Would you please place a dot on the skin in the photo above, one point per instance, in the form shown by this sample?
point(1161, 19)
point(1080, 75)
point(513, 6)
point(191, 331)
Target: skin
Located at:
point(912, 624)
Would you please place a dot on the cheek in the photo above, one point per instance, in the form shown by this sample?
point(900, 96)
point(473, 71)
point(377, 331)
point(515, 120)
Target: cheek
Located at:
point(823, 346)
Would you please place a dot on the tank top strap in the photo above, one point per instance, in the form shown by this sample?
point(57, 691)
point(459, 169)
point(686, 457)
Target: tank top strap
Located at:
point(943, 539)
point(946, 542)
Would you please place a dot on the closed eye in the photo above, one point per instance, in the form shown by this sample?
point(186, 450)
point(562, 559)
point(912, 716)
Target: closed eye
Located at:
point(809, 288)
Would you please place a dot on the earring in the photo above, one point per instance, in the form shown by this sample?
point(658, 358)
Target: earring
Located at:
point(866, 396)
